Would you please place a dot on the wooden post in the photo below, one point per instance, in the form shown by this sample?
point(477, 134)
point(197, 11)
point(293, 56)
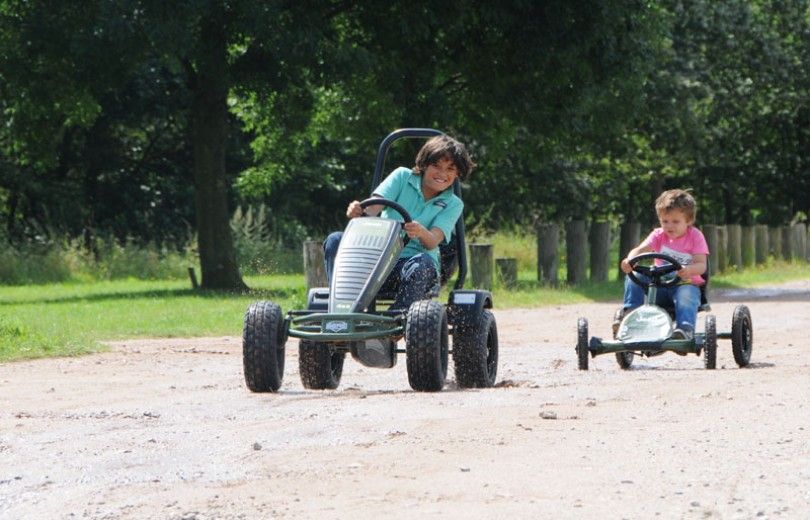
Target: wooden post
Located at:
point(710, 233)
point(481, 266)
point(629, 237)
point(798, 241)
point(576, 245)
point(761, 244)
point(787, 243)
point(735, 246)
point(193, 277)
point(314, 268)
point(548, 241)
point(775, 241)
point(722, 248)
point(507, 271)
point(747, 246)
point(600, 251)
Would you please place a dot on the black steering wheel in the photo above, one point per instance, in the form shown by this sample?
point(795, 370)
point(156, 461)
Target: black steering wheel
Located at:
point(654, 272)
point(379, 201)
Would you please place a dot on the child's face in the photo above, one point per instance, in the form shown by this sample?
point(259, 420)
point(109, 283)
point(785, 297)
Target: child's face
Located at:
point(439, 176)
point(674, 223)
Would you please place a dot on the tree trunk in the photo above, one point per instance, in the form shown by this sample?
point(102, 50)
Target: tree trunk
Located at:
point(314, 266)
point(630, 237)
point(576, 246)
point(600, 251)
point(209, 128)
point(775, 241)
point(735, 246)
point(722, 248)
point(787, 243)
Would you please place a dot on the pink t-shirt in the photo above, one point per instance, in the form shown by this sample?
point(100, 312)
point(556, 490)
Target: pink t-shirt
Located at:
point(681, 249)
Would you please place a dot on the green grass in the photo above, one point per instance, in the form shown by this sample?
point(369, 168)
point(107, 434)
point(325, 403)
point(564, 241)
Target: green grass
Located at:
point(71, 318)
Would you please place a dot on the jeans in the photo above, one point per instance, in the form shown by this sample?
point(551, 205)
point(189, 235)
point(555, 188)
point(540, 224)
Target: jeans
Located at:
point(685, 298)
point(412, 278)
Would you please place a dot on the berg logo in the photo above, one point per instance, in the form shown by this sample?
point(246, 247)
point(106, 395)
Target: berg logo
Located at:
point(336, 326)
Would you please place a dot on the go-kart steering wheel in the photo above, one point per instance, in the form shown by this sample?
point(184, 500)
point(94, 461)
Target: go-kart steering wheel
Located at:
point(654, 272)
point(379, 201)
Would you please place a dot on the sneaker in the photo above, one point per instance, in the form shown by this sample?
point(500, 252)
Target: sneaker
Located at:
point(681, 334)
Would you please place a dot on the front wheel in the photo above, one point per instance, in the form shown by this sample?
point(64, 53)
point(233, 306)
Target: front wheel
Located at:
point(319, 365)
point(263, 341)
point(475, 353)
point(710, 345)
point(582, 344)
point(426, 345)
point(625, 359)
point(742, 336)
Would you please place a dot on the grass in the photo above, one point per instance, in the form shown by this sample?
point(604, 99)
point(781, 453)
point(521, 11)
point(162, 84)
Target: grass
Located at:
point(72, 318)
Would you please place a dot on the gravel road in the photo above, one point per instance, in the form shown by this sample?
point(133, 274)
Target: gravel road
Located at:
point(165, 428)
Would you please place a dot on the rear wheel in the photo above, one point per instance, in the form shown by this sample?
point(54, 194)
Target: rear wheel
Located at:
point(710, 345)
point(475, 353)
point(625, 359)
point(742, 335)
point(320, 365)
point(263, 340)
point(426, 346)
point(582, 344)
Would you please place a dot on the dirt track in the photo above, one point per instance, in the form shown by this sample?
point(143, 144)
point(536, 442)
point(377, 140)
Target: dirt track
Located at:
point(167, 429)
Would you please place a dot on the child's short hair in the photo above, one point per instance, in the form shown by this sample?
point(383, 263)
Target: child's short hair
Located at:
point(440, 147)
point(677, 199)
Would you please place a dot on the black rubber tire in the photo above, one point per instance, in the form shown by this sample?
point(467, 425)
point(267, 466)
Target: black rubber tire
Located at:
point(582, 344)
point(742, 336)
point(710, 343)
point(625, 359)
point(319, 365)
point(475, 353)
point(263, 341)
point(426, 345)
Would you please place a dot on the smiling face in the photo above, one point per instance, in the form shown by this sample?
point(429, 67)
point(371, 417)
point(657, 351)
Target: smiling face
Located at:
point(438, 176)
point(674, 222)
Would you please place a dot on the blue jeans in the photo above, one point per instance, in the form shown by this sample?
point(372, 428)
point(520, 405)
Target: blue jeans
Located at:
point(685, 298)
point(412, 278)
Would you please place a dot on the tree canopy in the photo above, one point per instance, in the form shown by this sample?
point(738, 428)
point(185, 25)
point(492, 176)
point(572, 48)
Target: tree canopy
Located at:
point(151, 121)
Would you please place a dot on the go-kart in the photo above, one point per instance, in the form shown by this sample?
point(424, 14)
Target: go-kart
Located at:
point(348, 317)
point(647, 330)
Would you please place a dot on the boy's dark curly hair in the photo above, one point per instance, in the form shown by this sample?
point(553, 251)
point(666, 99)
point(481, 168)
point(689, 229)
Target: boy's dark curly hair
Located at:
point(444, 146)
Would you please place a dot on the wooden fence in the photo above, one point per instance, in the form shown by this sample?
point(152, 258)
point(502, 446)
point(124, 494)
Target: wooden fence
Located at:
point(587, 251)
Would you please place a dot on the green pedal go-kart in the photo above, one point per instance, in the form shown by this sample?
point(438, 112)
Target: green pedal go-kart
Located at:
point(346, 317)
point(647, 330)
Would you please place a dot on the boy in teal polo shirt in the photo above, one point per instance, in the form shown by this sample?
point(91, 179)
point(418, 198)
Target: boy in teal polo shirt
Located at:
point(424, 191)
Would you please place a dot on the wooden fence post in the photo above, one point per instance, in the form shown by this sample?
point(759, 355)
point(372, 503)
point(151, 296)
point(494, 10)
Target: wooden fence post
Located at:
point(761, 244)
point(799, 238)
point(576, 245)
point(629, 237)
point(548, 241)
point(734, 246)
point(506, 269)
point(775, 241)
point(747, 245)
point(710, 233)
point(600, 251)
point(314, 268)
point(722, 248)
point(787, 243)
point(481, 266)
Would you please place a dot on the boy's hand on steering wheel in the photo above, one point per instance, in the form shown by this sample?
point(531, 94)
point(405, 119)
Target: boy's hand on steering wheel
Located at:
point(354, 210)
point(625, 266)
point(684, 275)
point(414, 229)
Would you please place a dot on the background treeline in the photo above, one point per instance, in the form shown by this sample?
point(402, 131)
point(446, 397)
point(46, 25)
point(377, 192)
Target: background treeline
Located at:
point(177, 127)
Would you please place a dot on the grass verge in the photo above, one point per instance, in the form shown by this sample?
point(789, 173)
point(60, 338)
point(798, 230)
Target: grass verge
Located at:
point(71, 318)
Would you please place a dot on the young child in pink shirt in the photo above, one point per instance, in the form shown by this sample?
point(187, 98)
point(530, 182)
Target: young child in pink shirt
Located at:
point(678, 238)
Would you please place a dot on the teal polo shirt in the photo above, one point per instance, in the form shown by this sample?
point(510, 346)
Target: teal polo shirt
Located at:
point(442, 211)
